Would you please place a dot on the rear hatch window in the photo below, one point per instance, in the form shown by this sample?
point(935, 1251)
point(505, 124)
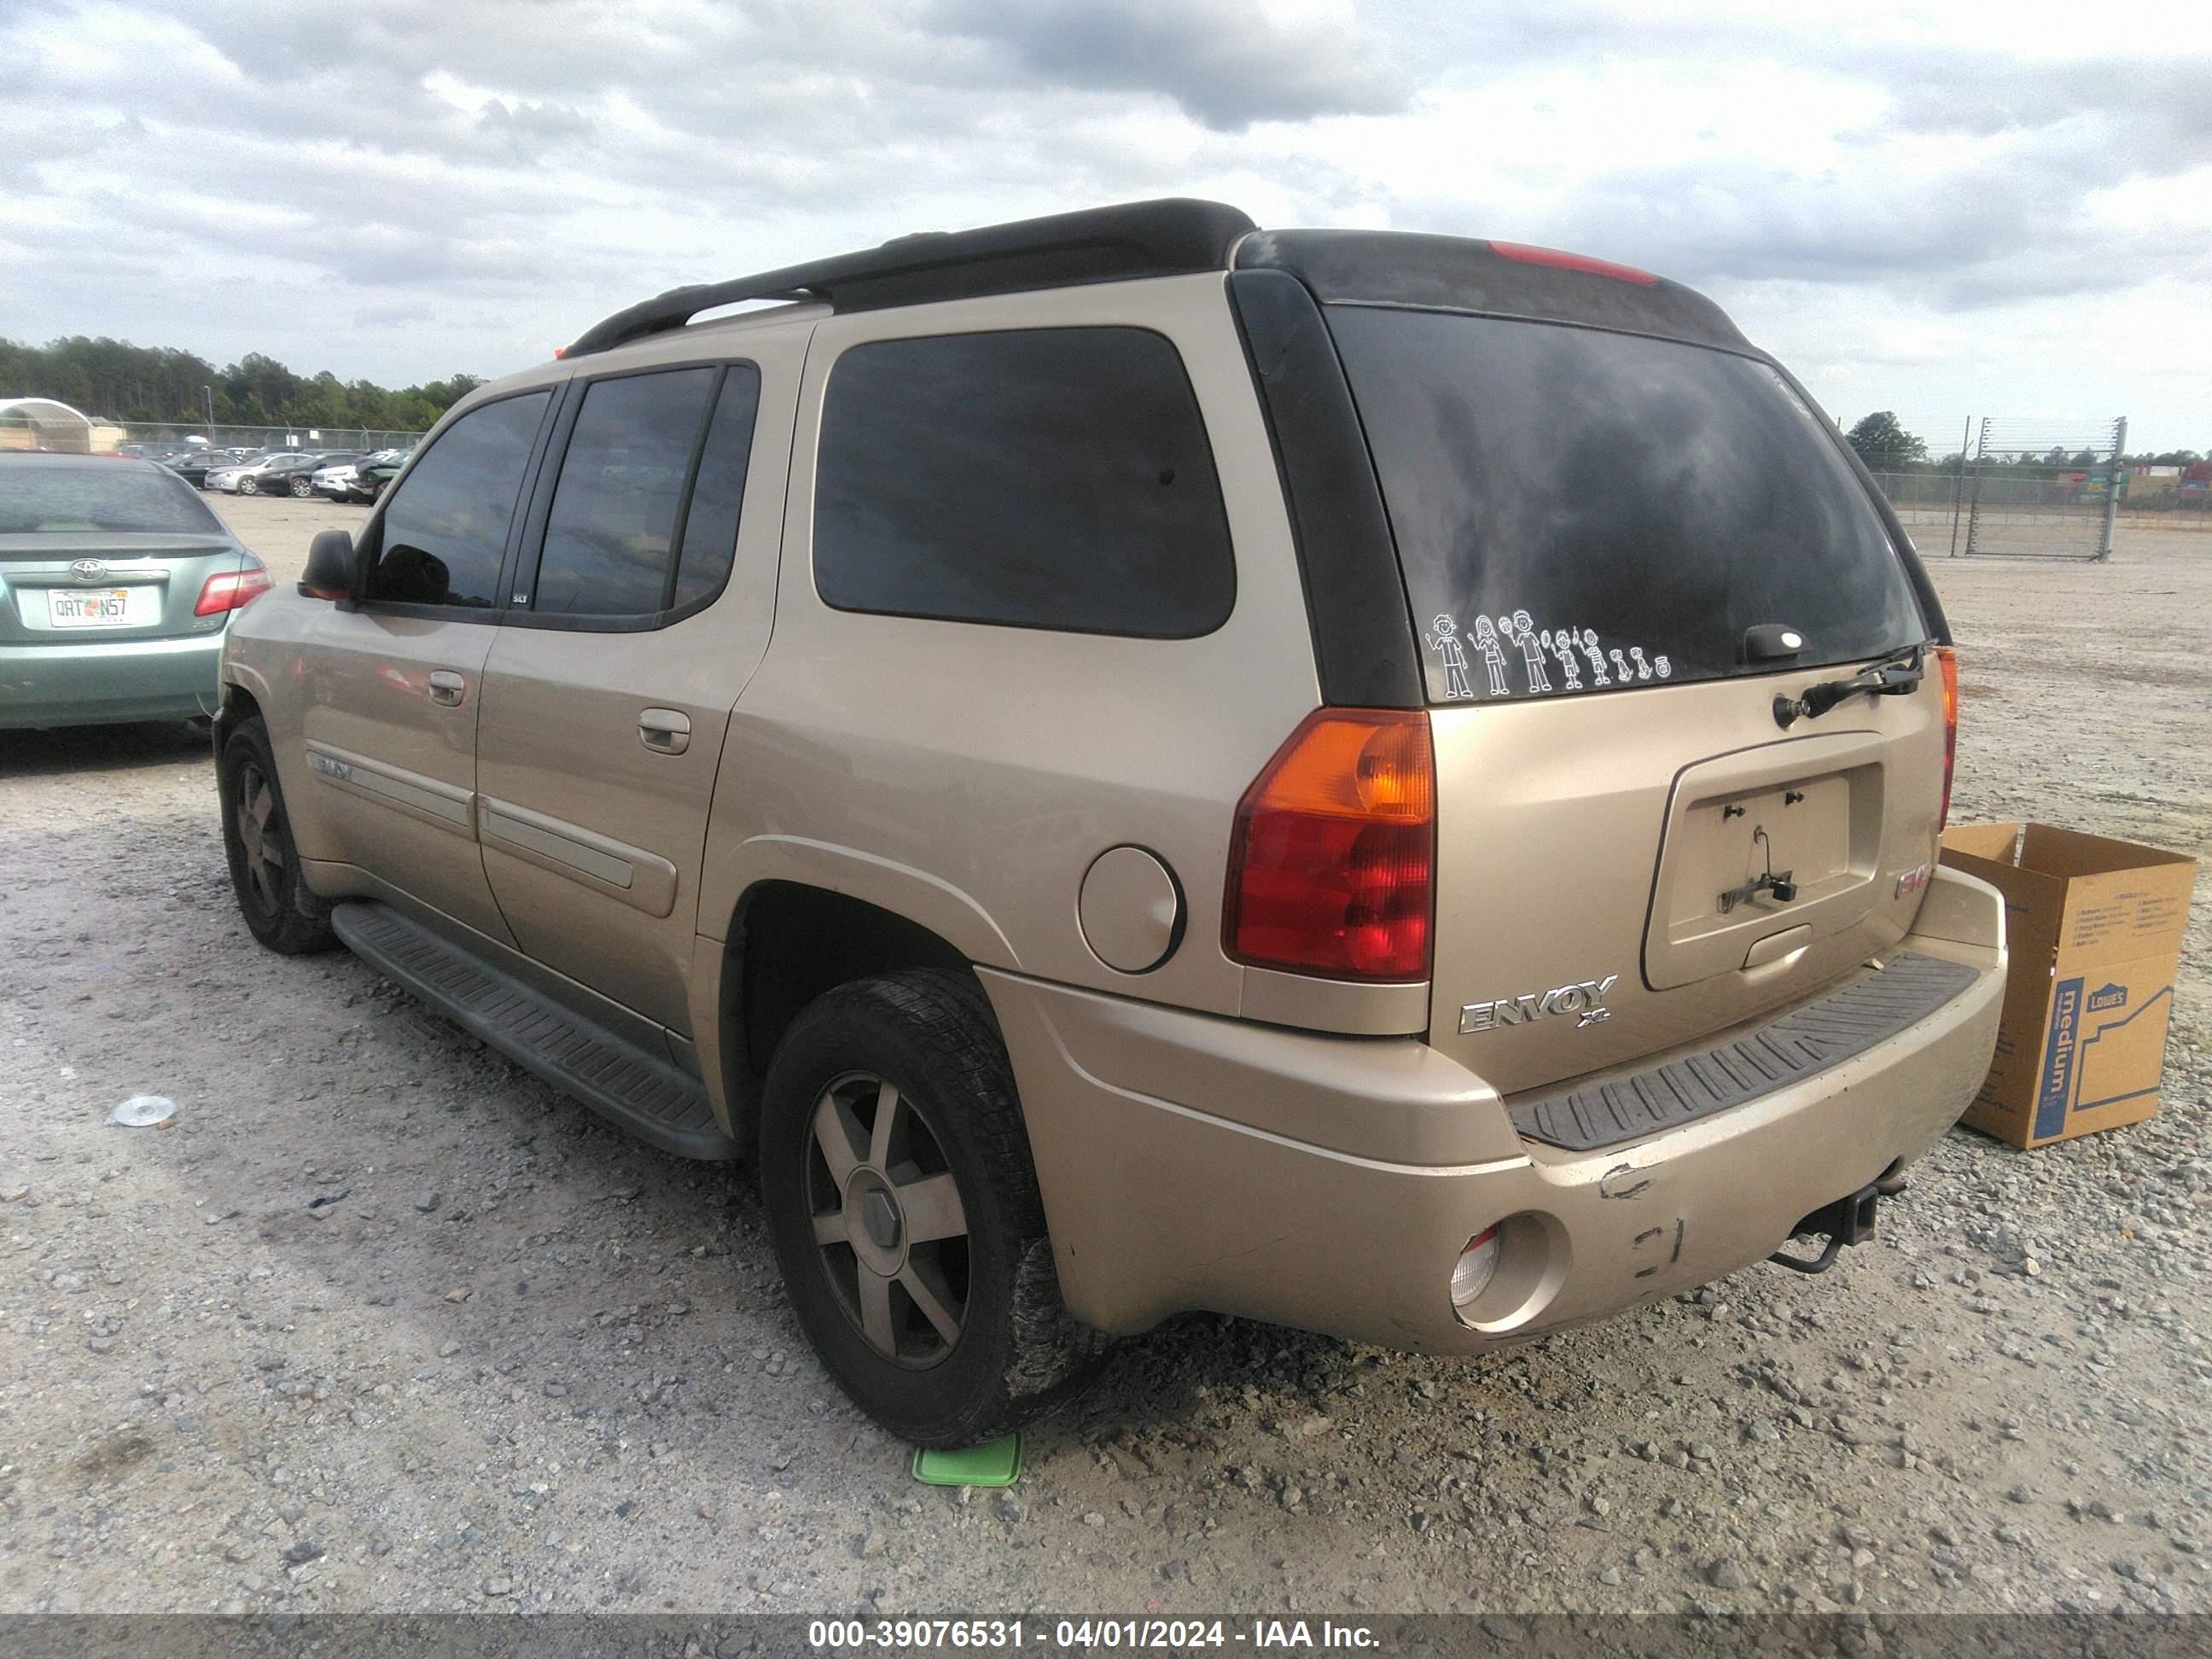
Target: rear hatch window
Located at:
point(38, 500)
point(1580, 511)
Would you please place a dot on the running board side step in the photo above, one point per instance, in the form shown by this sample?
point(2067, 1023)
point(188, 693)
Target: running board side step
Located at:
point(648, 1096)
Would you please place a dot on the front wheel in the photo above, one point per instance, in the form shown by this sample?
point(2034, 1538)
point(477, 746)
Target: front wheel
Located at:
point(903, 1205)
point(301, 489)
point(248, 487)
point(257, 837)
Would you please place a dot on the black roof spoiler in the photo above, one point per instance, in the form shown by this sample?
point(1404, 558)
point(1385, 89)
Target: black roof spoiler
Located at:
point(1171, 237)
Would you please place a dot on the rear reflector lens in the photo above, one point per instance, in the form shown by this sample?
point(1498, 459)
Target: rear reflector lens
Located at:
point(1330, 869)
point(1521, 253)
point(230, 590)
point(1478, 1266)
point(1946, 665)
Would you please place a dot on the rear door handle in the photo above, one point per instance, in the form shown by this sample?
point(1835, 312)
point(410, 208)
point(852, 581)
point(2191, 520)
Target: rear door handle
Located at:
point(447, 688)
point(664, 731)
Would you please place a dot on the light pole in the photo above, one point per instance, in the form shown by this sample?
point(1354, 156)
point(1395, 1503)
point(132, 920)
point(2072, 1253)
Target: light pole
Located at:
point(210, 392)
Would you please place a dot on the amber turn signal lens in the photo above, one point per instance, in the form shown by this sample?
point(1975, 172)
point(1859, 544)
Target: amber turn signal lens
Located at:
point(1946, 665)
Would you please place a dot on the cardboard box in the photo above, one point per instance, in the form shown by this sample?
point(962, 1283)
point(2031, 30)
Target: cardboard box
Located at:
point(2093, 929)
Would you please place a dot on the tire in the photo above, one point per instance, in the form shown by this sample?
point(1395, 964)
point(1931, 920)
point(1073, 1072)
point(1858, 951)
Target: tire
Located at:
point(923, 1045)
point(248, 487)
point(301, 489)
point(257, 837)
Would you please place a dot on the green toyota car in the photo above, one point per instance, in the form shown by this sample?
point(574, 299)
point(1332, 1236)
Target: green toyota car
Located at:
point(116, 583)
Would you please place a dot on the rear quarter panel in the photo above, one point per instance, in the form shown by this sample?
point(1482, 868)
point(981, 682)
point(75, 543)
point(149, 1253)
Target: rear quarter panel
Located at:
point(967, 776)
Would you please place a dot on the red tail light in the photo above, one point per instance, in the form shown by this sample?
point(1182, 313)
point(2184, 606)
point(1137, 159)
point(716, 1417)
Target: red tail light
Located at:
point(231, 589)
point(1946, 665)
point(1331, 867)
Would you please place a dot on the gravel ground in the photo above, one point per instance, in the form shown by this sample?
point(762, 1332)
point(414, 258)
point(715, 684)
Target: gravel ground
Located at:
point(377, 1322)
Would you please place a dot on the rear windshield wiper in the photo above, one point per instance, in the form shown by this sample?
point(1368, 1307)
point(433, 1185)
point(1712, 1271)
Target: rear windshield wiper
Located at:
point(1892, 677)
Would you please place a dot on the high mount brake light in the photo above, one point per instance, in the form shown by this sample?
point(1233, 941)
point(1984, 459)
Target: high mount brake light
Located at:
point(1946, 665)
point(229, 589)
point(1331, 866)
point(1521, 253)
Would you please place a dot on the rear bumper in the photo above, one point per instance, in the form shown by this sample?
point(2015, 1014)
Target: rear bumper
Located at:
point(1188, 1162)
point(111, 681)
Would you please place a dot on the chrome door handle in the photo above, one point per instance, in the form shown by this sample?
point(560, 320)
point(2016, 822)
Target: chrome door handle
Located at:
point(447, 688)
point(664, 731)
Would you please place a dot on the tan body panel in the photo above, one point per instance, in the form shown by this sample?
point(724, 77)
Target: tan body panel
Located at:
point(1191, 1163)
point(967, 776)
point(394, 790)
point(607, 889)
point(1564, 820)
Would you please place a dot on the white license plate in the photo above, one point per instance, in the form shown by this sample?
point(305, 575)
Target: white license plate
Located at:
point(92, 607)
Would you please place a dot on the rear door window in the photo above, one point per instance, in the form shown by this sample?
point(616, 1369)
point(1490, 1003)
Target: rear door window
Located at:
point(1577, 510)
point(644, 517)
point(444, 533)
point(1055, 478)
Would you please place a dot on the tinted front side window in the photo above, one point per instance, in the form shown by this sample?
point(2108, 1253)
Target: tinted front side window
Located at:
point(445, 532)
point(56, 499)
point(1578, 510)
point(1046, 478)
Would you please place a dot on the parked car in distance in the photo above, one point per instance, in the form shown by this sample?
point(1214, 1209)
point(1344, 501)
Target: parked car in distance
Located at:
point(272, 475)
point(192, 465)
point(1130, 764)
point(341, 480)
point(116, 584)
point(300, 481)
point(371, 478)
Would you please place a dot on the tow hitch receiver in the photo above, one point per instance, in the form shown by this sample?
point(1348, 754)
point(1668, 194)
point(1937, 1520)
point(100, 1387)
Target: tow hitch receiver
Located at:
point(1846, 1221)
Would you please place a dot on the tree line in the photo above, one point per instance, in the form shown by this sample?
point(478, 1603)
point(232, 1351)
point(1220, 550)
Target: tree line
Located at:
point(1885, 446)
point(124, 382)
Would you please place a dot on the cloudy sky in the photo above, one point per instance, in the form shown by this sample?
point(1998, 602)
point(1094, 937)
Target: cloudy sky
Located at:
point(1952, 209)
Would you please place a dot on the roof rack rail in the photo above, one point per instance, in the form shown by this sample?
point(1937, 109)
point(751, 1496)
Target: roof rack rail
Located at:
point(1138, 238)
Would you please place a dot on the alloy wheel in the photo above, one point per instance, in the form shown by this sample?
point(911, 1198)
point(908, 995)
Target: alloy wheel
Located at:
point(890, 1224)
point(261, 833)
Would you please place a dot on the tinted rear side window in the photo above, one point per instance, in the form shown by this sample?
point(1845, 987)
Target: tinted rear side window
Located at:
point(1043, 478)
point(445, 532)
point(717, 495)
point(611, 536)
point(1576, 510)
point(109, 496)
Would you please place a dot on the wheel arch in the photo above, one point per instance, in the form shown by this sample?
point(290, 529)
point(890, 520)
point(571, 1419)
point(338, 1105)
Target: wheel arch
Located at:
point(787, 942)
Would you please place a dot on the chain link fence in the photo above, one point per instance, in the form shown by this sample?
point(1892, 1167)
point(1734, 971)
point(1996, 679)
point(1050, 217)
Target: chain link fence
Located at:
point(2023, 514)
point(158, 436)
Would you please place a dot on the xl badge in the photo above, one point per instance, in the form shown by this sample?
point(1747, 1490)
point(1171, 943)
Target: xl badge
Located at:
point(1585, 1000)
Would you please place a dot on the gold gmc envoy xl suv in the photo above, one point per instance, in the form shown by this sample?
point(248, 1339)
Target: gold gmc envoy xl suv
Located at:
point(1132, 764)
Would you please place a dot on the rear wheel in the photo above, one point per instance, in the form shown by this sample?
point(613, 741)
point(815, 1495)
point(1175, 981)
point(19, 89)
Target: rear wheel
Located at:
point(257, 836)
point(903, 1205)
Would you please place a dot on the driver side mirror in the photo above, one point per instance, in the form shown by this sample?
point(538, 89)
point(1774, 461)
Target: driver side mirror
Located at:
point(329, 572)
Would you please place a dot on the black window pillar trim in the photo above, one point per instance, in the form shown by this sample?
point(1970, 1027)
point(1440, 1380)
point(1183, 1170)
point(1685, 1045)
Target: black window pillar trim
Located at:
point(1365, 644)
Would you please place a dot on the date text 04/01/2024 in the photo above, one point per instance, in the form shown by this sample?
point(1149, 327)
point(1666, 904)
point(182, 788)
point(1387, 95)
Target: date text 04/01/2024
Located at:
point(1174, 1635)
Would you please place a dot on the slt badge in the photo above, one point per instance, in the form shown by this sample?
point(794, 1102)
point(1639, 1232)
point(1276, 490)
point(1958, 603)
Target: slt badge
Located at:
point(1585, 999)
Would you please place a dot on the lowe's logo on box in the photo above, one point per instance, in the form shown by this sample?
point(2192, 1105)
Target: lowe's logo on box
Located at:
point(2109, 996)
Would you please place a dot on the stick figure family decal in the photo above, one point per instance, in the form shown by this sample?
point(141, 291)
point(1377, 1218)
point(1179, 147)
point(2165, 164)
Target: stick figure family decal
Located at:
point(1491, 636)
